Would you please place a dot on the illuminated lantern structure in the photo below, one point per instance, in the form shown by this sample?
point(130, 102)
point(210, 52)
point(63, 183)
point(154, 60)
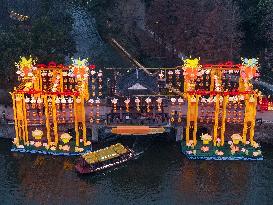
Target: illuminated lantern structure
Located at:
point(49, 97)
point(215, 97)
point(228, 91)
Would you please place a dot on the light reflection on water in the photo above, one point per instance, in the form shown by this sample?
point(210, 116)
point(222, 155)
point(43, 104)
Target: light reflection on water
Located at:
point(160, 176)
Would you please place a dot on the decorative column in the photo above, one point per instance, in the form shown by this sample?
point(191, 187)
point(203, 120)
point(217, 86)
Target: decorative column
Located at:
point(250, 117)
point(47, 120)
point(225, 101)
point(76, 121)
point(195, 119)
point(192, 116)
point(25, 125)
point(55, 123)
point(253, 115)
point(83, 122)
point(15, 117)
point(216, 119)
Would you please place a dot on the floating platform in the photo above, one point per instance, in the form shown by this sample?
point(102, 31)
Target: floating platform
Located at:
point(210, 152)
point(57, 152)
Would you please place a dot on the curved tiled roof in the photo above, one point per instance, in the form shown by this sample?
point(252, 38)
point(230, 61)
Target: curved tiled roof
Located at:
point(137, 79)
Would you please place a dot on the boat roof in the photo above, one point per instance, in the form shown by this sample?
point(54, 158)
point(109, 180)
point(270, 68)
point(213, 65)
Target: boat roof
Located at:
point(107, 153)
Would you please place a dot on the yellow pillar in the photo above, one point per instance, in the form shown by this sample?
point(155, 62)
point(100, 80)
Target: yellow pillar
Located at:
point(40, 81)
point(241, 84)
point(86, 90)
point(195, 120)
point(15, 117)
point(25, 125)
point(76, 122)
point(83, 121)
point(188, 119)
point(253, 121)
point(212, 80)
point(61, 80)
point(216, 118)
point(246, 118)
point(225, 101)
point(55, 123)
point(47, 120)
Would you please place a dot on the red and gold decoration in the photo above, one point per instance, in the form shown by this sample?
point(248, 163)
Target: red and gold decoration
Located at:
point(26, 67)
point(46, 96)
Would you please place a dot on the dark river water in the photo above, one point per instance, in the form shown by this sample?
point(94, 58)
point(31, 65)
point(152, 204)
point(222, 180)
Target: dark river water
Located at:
point(160, 175)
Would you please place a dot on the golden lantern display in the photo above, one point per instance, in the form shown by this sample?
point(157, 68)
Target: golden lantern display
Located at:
point(42, 100)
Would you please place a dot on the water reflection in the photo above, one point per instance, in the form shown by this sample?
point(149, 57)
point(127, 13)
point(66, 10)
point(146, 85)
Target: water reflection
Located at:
point(160, 176)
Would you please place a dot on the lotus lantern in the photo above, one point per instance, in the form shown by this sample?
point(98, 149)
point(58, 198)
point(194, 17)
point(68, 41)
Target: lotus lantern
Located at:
point(236, 138)
point(206, 138)
point(37, 134)
point(65, 137)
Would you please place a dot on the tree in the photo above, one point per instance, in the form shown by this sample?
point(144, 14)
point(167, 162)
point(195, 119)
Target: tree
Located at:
point(219, 36)
point(208, 29)
point(47, 36)
point(266, 27)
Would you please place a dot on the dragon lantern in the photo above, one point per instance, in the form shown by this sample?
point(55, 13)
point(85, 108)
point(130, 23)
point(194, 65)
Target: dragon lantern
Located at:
point(26, 66)
point(249, 69)
point(191, 69)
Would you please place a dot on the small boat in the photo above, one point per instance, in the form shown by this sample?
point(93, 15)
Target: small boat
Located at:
point(103, 159)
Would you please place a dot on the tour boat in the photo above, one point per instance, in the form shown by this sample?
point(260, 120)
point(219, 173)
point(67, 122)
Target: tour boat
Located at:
point(103, 159)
